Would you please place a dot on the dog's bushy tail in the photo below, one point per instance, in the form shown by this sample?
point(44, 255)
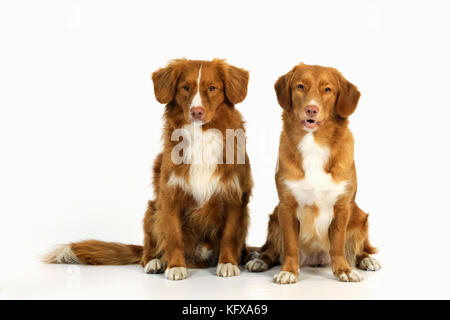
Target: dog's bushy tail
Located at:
point(95, 252)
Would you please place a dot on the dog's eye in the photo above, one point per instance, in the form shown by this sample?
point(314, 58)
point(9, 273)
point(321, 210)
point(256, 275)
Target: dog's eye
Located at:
point(186, 88)
point(300, 86)
point(327, 89)
point(212, 88)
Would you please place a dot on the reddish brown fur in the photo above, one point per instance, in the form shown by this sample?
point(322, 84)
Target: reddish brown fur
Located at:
point(99, 253)
point(174, 224)
point(170, 233)
point(348, 232)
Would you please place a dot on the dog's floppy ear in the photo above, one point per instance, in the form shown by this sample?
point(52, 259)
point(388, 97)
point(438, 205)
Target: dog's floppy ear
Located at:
point(165, 81)
point(283, 90)
point(348, 97)
point(236, 83)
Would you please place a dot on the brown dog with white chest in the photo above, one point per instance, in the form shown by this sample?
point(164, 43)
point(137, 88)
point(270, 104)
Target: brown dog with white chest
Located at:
point(317, 221)
point(199, 217)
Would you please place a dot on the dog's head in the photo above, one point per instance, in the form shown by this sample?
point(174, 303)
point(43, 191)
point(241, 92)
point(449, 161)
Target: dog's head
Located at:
point(315, 95)
point(200, 87)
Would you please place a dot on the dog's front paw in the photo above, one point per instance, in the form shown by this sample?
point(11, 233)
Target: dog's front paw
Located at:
point(347, 275)
point(256, 265)
point(369, 264)
point(154, 266)
point(176, 273)
point(227, 270)
point(285, 277)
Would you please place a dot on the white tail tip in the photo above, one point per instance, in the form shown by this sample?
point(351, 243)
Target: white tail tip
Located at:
point(61, 254)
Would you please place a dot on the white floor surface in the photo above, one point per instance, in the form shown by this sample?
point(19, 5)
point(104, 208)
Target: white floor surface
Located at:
point(39, 281)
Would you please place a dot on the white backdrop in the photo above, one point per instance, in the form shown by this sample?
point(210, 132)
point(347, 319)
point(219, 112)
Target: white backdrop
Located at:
point(80, 127)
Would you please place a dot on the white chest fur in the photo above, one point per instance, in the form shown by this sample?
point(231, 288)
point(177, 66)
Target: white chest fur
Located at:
point(317, 187)
point(203, 151)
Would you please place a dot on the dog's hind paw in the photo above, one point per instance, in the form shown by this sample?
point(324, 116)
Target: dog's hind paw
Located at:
point(256, 265)
point(154, 266)
point(369, 264)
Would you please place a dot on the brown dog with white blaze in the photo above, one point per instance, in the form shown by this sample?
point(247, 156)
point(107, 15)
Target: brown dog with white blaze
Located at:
point(317, 221)
point(202, 185)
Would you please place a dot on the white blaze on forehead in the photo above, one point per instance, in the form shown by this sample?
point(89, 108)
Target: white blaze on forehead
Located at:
point(197, 100)
point(313, 102)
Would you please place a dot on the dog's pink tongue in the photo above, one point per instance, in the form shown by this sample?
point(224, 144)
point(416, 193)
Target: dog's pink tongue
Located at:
point(310, 125)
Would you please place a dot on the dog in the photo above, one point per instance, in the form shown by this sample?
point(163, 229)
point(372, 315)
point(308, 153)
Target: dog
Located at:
point(199, 217)
point(317, 221)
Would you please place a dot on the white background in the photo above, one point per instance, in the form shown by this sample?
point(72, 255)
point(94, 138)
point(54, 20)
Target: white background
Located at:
point(80, 127)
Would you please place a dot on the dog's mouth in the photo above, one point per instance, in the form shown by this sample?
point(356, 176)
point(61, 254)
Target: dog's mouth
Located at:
point(197, 122)
point(311, 123)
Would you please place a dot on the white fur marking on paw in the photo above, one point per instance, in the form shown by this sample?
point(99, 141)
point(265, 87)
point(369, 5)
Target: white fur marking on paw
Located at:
point(227, 270)
point(370, 264)
point(351, 276)
point(285, 277)
point(176, 273)
point(153, 266)
point(256, 265)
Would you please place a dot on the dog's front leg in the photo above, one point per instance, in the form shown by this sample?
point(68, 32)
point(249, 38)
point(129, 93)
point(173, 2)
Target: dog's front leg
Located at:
point(173, 239)
point(337, 235)
point(232, 241)
point(289, 226)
